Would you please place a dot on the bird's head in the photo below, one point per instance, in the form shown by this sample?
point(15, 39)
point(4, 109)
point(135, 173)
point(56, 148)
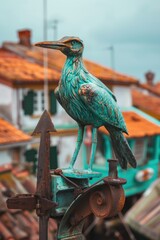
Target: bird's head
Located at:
point(70, 46)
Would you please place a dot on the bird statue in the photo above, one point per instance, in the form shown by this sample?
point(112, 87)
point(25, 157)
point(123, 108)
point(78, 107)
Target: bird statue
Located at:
point(89, 102)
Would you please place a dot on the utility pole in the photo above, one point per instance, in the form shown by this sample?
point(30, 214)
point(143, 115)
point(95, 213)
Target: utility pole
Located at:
point(112, 56)
point(55, 29)
point(45, 55)
point(111, 49)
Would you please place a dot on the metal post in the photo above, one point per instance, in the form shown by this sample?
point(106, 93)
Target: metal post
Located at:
point(111, 48)
point(45, 55)
point(55, 29)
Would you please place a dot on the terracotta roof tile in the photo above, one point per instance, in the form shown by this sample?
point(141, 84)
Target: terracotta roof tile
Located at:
point(143, 216)
point(56, 61)
point(137, 126)
point(19, 224)
point(10, 134)
point(5, 232)
point(147, 103)
point(154, 89)
point(16, 69)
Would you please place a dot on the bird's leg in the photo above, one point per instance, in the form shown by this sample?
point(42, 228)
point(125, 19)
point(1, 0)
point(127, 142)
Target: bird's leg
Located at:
point(93, 149)
point(78, 145)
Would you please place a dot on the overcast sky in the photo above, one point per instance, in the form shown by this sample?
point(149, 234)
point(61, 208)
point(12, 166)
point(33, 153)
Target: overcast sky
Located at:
point(131, 26)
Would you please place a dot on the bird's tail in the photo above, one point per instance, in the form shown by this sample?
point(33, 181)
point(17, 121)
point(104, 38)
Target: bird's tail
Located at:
point(121, 148)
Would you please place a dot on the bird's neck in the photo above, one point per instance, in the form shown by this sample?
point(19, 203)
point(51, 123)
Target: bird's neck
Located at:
point(73, 63)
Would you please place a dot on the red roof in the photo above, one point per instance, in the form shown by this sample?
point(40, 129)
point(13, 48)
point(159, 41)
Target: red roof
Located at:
point(56, 61)
point(137, 126)
point(18, 224)
point(14, 69)
point(9, 134)
point(146, 102)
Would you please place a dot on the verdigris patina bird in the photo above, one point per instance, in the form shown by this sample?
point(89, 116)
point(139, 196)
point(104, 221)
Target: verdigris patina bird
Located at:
point(89, 102)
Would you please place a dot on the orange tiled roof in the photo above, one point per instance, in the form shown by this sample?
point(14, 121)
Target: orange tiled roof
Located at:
point(154, 89)
point(56, 61)
point(16, 69)
point(137, 126)
point(10, 134)
point(147, 103)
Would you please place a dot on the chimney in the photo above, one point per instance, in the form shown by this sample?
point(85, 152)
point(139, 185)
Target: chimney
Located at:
point(25, 37)
point(150, 78)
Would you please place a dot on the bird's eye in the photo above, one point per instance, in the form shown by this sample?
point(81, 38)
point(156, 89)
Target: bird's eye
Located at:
point(73, 42)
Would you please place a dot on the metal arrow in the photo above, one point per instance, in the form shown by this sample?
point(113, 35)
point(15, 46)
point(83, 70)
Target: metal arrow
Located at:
point(41, 200)
point(43, 192)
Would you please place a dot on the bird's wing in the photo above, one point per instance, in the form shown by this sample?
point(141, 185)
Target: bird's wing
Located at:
point(85, 75)
point(100, 84)
point(102, 105)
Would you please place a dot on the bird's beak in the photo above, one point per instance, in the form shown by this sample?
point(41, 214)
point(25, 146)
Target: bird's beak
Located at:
point(51, 44)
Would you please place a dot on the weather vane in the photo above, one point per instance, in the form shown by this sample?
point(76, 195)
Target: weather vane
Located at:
point(60, 192)
point(89, 102)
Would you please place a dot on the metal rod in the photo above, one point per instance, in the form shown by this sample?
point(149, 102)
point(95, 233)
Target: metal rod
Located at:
point(45, 55)
point(130, 234)
point(91, 226)
point(55, 29)
point(112, 52)
point(113, 168)
point(68, 180)
point(43, 227)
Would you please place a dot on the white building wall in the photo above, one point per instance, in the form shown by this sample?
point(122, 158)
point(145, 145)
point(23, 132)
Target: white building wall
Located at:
point(9, 103)
point(14, 107)
point(5, 157)
point(5, 94)
point(29, 122)
point(66, 147)
point(123, 95)
point(6, 101)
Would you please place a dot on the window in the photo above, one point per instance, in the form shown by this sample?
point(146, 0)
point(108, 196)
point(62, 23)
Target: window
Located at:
point(31, 157)
point(38, 102)
point(33, 102)
point(27, 103)
point(140, 150)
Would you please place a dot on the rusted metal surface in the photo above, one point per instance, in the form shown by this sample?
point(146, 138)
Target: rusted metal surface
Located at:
point(22, 201)
point(99, 200)
point(44, 127)
point(41, 200)
point(113, 178)
point(103, 200)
